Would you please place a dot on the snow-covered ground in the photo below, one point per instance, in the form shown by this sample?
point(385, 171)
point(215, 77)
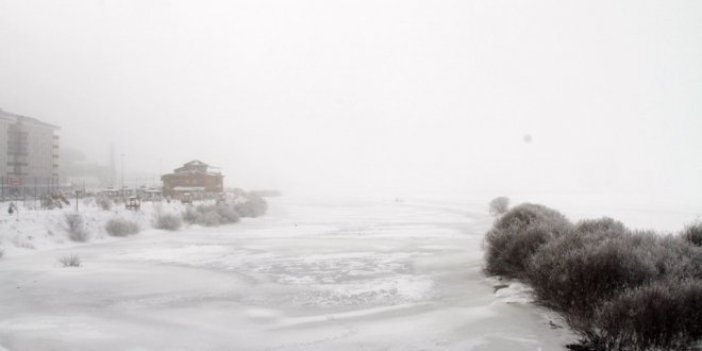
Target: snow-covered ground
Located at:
point(363, 275)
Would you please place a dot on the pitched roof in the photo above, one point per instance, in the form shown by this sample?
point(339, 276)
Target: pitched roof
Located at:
point(195, 166)
point(196, 163)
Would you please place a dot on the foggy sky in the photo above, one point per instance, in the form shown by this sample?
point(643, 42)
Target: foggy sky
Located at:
point(377, 96)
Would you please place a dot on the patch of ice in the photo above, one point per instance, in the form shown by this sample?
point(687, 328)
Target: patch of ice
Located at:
point(190, 254)
point(67, 328)
point(515, 292)
point(262, 314)
point(287, 322)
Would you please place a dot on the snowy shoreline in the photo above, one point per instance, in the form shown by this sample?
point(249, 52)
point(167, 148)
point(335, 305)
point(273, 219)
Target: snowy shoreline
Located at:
point(373, 276)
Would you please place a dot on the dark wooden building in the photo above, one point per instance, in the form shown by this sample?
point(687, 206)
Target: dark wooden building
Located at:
point(195, 178)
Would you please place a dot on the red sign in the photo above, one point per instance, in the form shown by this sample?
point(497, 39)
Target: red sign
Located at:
point(14, 181)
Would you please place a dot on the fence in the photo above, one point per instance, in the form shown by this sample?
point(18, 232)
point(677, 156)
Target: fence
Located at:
point(29, 188)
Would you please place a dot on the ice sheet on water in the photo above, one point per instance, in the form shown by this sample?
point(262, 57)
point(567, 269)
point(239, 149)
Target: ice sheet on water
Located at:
point(324, 279)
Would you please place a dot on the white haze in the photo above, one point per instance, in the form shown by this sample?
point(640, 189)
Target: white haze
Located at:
point(384, 97)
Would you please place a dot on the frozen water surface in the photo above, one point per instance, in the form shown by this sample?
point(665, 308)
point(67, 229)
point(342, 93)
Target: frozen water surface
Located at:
point(380, 275)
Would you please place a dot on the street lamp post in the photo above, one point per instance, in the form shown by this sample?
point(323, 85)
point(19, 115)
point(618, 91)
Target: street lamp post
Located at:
point(121, 189)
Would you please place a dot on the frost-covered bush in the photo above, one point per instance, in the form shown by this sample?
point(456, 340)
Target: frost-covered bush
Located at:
point(253, 206)
point(75, 226)
point(121, 227)
point(600, 226)
point(578, 270)
point(104, 203)
point(595, 262)
point(210, 219)
point(616, 288)
point(211, 215)
point(664, 315)
point(674, 257)
point(693, 233)
point(191, 215)
point(202, 215)
point(227, 214)
point(518, 234)
point(70, 261)
point(499, 206)
point(167, 221)
point(50, 203)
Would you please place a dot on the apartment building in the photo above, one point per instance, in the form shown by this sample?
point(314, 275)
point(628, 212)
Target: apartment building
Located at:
point(29, 155)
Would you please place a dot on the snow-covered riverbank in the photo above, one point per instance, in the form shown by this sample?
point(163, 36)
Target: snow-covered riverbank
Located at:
point(32, 229)
point(379, 275)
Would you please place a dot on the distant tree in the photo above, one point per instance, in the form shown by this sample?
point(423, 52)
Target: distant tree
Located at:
point(499, 206)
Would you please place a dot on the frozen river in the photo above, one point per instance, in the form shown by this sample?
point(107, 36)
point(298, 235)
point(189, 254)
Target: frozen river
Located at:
point(360, 275)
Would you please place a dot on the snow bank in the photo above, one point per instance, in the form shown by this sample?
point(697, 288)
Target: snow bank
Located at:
point(32, 228)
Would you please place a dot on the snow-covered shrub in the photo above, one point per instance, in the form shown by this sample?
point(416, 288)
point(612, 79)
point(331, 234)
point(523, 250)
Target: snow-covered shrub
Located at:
point(579, 272)
point(48, 203)
point(210, 219)
point(227, 213)
point(518, 234)
point(70, 261)
point(197, 215)
point(211, 215)
point(675, 257)
point(616, 288)
point(191, 215)
point(253, 206)
point(167, 221)
point(574, 272)
point(664, 315)
point(499, 206)
point(121, 227)
point(693, 233)
point(202, 215)
point(75, 226)
point(104, 203)
point(600, 226)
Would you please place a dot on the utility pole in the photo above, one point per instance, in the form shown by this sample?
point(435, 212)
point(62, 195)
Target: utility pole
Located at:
point(113, 166)
point(121, 189)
